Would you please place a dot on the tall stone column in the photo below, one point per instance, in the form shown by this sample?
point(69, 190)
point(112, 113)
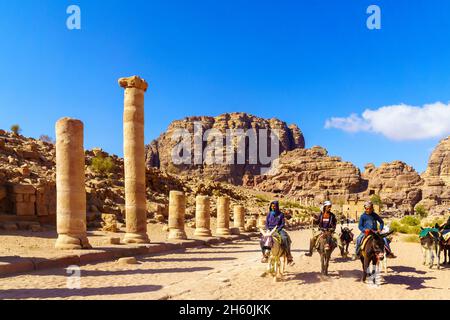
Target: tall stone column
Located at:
point(202, 217)
point(70, 186)
point(239, 218)
point(134, 159)
point(223, 216)
point(177, 210)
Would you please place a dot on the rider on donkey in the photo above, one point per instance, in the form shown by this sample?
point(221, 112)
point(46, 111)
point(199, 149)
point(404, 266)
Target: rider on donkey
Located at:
point(326, 221)
point(369, 222)
point(275, 218)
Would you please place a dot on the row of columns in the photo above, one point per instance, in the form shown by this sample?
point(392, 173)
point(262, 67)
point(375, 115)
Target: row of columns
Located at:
point(70, 182)
point(177, 209)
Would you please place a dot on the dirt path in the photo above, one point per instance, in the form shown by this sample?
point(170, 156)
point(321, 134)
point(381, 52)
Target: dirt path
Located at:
point(233, 271)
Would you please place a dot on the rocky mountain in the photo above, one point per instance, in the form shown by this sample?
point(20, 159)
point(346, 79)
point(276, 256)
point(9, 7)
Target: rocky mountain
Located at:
point(310, 176)
point(200, 149)
point(436, 189)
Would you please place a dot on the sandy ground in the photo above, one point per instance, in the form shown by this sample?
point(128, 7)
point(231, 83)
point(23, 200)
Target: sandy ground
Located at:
point(28, 244)
point(233, 271)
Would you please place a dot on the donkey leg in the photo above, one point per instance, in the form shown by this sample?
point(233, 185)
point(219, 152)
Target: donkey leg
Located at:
point(366, 266)
point(424, 256)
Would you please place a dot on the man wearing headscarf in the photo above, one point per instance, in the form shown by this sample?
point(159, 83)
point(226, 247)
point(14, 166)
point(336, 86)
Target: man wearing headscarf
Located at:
point(275, 219)
point(326, 221)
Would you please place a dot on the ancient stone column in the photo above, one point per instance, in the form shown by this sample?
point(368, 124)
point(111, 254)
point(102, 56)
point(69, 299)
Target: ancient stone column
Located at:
point(261, 221)
point(177, 209)
point(70, 186)
point(202, 217)
point(239, 218)
point(223, 216)
point(134, 160)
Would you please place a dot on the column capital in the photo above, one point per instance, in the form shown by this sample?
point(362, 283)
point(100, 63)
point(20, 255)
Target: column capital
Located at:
point(133, 82)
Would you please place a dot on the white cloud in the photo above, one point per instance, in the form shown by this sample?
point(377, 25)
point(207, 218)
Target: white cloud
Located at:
point(399, 122)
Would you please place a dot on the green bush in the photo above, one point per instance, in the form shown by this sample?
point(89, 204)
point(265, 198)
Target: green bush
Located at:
point(421, 211)
point(406, 226)
point(410, 221)
point(376, 200)
point(16, 128)
point(411, 238)
point(395, 226)
point(103, 165)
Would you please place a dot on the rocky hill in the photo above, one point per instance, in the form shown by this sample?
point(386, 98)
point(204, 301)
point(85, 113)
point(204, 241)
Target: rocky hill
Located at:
point(28, 188)
point(310, 176)
point(159, 152)
point(436, 189)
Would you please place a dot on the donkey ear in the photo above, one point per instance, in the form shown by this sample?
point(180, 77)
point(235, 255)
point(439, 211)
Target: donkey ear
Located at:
point(421, 228)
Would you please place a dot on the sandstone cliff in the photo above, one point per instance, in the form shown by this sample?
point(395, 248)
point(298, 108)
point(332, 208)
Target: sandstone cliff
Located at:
point(311, 176)
point(397, 183)
point(159, 152)
point(436, 189)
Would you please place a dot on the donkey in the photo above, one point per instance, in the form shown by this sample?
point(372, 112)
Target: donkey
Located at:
point(445, 243)
point(271, 242)
point(346, 237)
point(325, 247)
point(373, 252)
point(431, 246)
point(445, 248)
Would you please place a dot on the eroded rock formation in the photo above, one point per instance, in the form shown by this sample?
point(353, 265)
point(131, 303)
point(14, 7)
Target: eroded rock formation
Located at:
point(159, 152)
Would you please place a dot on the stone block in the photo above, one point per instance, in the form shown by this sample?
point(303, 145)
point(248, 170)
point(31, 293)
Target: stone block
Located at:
point(22, 189)
point(24, 208)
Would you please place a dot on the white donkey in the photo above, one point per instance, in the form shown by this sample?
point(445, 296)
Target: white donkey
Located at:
point(271, 244)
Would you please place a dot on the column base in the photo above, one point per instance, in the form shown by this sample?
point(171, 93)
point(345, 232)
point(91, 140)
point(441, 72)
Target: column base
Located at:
point(177, 234)
point(202, 232)
point(136, 238)
point(72, 242)
point(223, 232)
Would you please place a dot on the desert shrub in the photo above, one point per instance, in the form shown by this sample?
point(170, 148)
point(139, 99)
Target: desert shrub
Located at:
point(16, 128)
point(290, 204)
point(395, 226)
point(410, 221)
point(47, 139)
point(432, 223)
point(411, 238)
point(421, 211)
point(103, 165)
point(404, 226)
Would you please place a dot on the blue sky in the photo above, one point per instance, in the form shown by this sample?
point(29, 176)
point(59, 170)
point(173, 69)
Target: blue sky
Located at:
point(301, 61)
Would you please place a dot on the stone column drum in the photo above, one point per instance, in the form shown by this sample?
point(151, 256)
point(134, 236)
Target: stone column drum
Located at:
point(261, 222)
point(70, 186)
point(223, 216)
point(134, 160)
point(202, 217)
point(239, 218)
point(177, 210)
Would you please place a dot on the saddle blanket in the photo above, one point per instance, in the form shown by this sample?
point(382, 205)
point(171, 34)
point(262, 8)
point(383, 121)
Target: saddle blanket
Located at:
point(446, 235)
point(425, 232)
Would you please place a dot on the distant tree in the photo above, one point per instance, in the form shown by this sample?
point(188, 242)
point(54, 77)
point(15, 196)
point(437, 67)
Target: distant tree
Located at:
point(103, 165)
point(47, 139)
point(16, 129)
point(376, 200)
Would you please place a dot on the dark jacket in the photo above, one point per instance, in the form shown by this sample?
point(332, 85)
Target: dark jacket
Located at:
point(275, 218)
point(328, 225)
